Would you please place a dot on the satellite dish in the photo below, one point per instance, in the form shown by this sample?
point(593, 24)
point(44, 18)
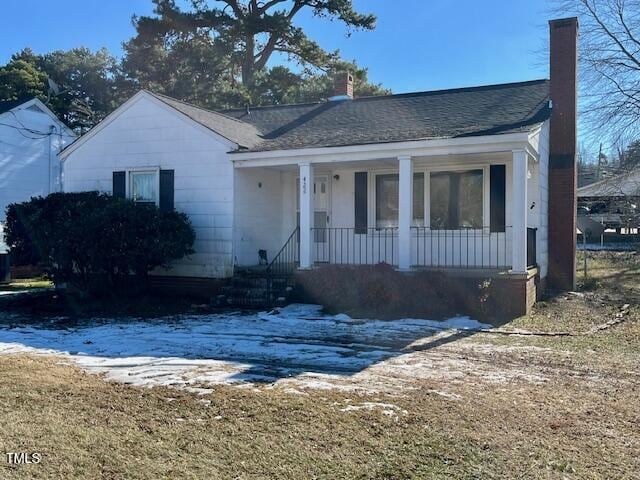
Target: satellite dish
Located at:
point(53, 86)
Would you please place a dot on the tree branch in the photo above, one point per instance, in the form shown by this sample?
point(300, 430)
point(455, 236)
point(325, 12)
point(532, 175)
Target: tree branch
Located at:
point(235, 7)
point(266, 6)
point(608, 32)
point(620, 12)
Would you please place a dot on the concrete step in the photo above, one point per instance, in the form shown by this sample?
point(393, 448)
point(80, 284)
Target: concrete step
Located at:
point(255, 288)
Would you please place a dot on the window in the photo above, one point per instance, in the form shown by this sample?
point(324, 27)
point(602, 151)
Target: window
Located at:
point(387, 191)
point(144, 187)
point(456, 199)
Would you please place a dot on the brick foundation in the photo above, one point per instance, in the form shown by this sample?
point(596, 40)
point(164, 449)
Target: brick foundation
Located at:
point(21, 272)
point(204, 288)
point(382, 292)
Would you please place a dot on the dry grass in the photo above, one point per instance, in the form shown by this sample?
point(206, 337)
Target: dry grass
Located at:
point(87, 428)
point(581, 423)
point(613, 281)
point(26, 284)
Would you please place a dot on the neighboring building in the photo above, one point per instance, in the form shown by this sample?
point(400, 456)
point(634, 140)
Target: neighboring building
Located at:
point(31, 137)
point(613, 202)
point(466, 180)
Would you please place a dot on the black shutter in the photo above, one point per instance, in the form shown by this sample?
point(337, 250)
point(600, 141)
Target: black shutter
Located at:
point(119, 184)
point(360, 202)
point(454, 201)
point(166, 190)
point(497, 197)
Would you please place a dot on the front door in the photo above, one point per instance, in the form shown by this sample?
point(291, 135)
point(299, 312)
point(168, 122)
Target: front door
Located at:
point(320, 216)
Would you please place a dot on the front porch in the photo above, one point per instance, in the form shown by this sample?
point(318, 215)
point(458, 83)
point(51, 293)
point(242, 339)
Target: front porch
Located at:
point(475, 210)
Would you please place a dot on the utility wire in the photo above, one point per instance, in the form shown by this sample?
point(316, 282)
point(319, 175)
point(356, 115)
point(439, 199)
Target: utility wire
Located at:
point(35, 132)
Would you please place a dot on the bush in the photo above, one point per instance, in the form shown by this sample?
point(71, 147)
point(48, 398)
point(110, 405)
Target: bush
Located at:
point(93, 241)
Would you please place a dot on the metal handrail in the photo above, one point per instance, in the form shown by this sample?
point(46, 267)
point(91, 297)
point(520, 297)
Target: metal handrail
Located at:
point(287, 258)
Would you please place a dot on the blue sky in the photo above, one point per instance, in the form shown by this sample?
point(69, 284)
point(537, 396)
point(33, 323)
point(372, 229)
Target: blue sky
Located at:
point(417, 45)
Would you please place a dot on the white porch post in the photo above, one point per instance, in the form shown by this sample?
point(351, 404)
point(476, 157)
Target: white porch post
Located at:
point(519, 212)
point(306, 214)
point(405, 214)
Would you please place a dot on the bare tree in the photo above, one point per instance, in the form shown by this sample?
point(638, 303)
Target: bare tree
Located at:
point(609, 65)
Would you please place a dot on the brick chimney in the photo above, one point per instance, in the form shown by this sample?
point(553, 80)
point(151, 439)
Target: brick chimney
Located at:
point(343, 86)
point(562, 153)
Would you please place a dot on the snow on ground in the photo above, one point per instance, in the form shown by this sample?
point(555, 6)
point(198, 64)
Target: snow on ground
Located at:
point(21, 292)
point(294, 347)
point(614, 247)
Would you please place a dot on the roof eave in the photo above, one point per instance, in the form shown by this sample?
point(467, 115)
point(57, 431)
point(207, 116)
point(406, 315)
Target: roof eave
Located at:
point(426, 147)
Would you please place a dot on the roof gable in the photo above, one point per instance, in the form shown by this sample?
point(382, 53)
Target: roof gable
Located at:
point(141, 95)
point(243, 134)
point(7, 105)
point(33, 105)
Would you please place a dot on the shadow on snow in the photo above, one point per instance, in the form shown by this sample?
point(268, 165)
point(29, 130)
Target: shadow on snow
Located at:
point(250, 347)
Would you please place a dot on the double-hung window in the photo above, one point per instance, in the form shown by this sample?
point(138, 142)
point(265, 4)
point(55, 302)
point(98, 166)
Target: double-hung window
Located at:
point(387, 191)
point(456, 199)
point(143, 187)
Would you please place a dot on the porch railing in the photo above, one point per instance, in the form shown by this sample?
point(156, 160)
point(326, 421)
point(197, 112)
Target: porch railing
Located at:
point(288, 258)
point(532, 256)
point(464, 247)
point(460, 248)
point(348, 245)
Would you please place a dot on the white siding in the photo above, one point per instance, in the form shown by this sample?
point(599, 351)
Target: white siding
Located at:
point(149, 134)
point(29, 165)
point(543, 188)
point(259, 220)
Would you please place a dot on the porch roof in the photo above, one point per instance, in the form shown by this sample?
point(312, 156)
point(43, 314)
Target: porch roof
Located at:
point(442, 114)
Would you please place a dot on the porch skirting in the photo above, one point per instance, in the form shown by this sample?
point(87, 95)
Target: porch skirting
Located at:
point(380, 291)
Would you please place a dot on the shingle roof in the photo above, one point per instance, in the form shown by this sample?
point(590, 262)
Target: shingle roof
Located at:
point(461, 112)
point(625, 185)
point(486, 110)
point(242, 133)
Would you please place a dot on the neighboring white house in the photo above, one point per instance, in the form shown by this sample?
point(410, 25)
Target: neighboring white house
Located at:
point(452, 179)
point(31, 137)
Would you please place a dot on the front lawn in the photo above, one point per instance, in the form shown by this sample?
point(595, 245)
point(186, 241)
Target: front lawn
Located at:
point(450, 405)
point(87, 428)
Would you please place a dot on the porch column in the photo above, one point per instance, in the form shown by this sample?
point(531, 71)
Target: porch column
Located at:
point(405, 214)
point(519, 212)
point(306, 214)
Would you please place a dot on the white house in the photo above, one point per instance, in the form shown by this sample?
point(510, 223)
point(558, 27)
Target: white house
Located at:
point(31, 137)
point(459, 180)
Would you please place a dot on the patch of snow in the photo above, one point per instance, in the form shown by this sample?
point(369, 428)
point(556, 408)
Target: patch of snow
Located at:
point(16, 293)
point(613, 247)
point(450, 396)
point(385, 408)
point(295, 348)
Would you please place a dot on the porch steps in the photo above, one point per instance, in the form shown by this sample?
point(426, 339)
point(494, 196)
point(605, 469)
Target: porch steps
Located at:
point(256, 289)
